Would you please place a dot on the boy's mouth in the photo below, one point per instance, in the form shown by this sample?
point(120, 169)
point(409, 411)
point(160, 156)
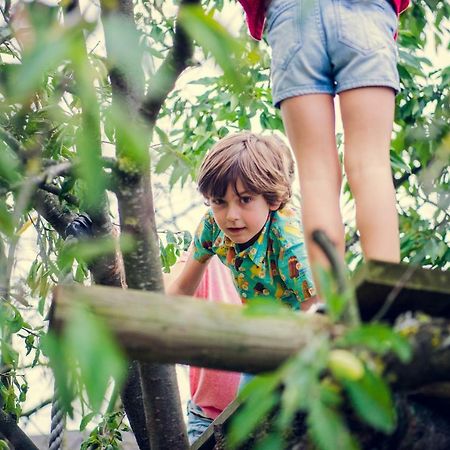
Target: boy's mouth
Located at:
point(235, 229)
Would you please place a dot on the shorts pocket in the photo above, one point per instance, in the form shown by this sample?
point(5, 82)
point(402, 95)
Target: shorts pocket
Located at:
point(283, 31)
point(366, 25)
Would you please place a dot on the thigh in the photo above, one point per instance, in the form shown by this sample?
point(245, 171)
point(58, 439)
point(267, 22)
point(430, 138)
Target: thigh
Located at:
point(196, 423)
point(367, 117)
point(310, 125)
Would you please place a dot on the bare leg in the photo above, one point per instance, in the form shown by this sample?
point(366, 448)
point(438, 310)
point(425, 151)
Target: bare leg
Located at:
point(309, 122)
point(367, 116)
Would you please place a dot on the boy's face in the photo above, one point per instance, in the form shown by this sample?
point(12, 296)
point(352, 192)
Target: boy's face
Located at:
point(241, 216)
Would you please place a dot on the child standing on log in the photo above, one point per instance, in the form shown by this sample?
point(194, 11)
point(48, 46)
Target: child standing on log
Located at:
point(246, 181)
point(321, 48)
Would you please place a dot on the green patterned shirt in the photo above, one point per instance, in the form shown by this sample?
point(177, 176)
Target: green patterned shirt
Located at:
point(274, 266)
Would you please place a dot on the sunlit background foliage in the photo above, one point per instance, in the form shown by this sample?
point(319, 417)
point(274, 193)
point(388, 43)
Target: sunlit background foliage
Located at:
point(59, 129)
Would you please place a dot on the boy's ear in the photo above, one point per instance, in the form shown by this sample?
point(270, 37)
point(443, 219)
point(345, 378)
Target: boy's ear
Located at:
point(275, 206)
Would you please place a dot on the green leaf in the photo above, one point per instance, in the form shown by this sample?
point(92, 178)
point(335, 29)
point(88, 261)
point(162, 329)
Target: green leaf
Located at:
point(63, 366)
point(259, 396)
point(131, 139)
point(29, 343)
point(124, 50)
point(97, 353)
point(328, 429)
point(398, 163)
point(165, 162)
point(91, 249)
point(248, 417)
point(31, 74)
point(6, 220)
point(210, 35)
point(261, 306)
point(9, 162)
point(293, 398)
point(15, 321)
point(9, 354)
point(378, 338)
point(336, 303)
point(271, 442)
point(86, 419)
point(372, 400)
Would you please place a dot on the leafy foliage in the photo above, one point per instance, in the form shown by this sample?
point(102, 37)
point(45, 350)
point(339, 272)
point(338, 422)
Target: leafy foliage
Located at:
point(316, 383)
point(59, 126)
point(108, 433)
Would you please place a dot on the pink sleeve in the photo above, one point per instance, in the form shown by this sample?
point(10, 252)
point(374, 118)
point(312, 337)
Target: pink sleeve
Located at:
point(217, 284)
point(213, 390)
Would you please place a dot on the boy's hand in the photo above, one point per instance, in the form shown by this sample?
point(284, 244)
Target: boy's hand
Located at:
point(313, 305)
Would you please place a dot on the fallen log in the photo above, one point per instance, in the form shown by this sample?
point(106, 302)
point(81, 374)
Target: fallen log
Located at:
point(153, 327)
point(386, 290)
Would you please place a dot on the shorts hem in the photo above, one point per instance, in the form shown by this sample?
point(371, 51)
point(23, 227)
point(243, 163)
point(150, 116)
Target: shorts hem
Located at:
point(367, 83)
point(295, 92)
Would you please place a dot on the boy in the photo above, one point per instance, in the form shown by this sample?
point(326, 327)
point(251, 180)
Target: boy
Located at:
point(246, 181)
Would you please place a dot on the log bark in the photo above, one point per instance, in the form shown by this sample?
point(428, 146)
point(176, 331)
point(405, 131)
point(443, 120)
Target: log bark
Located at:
point(154, 327)
point(386, 290)
point(158, 328)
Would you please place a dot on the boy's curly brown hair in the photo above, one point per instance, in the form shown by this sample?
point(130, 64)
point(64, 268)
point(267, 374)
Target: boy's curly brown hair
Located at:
point(264, 164)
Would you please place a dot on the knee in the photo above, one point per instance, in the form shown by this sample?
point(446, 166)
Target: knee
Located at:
point(364, 170)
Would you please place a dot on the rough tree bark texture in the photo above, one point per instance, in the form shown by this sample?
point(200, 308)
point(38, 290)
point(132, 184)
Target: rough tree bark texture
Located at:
point(154, 327)
point(10, 431)
point(160, 398)
point(187, 330)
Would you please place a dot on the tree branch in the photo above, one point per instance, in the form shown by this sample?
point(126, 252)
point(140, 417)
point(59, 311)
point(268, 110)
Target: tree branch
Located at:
point(159, 328)
point(49, 207)
point(414, 171)
point(165, 78)
point(36, 408)
point(11, 431)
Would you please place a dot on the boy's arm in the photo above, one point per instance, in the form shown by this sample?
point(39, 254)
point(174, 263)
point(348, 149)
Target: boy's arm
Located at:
point(188, 277)
point(186, 280)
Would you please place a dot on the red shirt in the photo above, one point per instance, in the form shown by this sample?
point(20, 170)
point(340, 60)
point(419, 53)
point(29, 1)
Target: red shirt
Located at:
point(255, 10)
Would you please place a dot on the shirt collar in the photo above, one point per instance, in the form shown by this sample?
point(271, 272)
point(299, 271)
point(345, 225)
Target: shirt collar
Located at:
point(256, 252)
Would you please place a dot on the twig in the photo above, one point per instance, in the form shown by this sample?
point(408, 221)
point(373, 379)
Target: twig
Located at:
point(36, 408)
point(351, 313)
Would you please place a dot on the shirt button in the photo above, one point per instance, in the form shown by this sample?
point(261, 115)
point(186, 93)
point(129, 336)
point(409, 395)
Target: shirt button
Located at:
point(244, 295)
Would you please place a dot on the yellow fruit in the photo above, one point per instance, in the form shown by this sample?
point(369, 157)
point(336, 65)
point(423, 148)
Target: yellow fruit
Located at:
point(345, 365)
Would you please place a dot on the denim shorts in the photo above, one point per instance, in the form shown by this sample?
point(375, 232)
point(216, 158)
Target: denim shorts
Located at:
point(197, 422)
point(329, 46)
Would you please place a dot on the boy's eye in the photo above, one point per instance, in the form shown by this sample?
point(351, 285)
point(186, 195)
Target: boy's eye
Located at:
point(246, 199)
point(217, 201)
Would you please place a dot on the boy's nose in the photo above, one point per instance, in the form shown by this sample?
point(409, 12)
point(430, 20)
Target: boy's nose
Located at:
point(232, 214)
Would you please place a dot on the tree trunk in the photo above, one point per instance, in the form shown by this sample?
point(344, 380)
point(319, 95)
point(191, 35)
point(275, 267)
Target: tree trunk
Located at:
point(157, 392)
point(10, 431)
